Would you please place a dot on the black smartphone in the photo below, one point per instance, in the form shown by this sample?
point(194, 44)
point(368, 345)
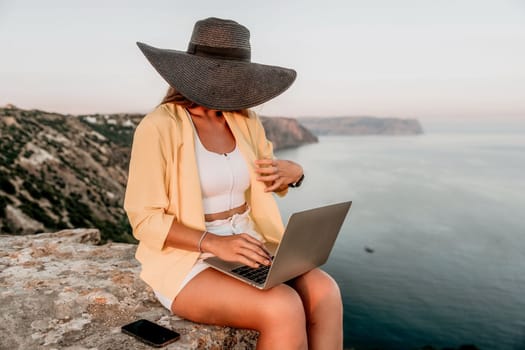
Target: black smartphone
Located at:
point(150, 333)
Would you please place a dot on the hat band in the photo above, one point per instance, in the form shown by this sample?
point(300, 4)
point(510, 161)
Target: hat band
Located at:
point(229, 53)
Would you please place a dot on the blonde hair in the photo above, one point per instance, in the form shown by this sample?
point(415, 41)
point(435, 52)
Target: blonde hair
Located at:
point(175, 97)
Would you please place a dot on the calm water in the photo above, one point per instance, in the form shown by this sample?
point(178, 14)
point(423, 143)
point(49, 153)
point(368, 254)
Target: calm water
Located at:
point(445, 215)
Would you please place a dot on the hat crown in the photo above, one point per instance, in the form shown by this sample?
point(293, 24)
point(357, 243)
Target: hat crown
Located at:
point(220, 33)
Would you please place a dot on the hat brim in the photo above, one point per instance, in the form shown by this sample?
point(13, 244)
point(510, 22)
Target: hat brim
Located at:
point(216, 83)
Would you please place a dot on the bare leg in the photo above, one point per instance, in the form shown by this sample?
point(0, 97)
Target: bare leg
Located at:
point(214, 298)
point(323, 308)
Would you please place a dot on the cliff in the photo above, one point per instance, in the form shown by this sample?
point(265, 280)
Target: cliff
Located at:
point(286, 132)
point(62, 290)
point(62, 171)
point(361, 126)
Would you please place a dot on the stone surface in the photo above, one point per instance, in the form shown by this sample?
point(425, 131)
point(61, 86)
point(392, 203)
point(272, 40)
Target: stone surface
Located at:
point(62, 291)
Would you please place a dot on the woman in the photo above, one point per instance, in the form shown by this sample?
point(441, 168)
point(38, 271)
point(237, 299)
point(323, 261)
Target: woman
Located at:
point(200, 183)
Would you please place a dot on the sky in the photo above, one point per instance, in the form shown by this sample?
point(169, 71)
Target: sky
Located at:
point(425, 59)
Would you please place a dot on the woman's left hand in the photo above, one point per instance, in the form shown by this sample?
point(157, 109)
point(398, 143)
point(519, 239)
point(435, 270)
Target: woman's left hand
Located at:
point(277, 174)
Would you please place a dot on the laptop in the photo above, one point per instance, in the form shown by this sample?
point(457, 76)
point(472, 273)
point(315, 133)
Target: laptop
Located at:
point(305, 245)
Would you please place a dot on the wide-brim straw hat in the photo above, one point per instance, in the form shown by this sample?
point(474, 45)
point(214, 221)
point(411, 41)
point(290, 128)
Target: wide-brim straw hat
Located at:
point(216, 71)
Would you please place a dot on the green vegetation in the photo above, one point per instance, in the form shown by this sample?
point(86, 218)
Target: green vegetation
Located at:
point(9, 153)
point(40, 188)
point(34, 211)
point(4, 201)
point(28, 153)
point(12, 140)
point(120, 232)
point(79, 213)
point(116, 134)
point(6, 185)
point(67, 193)
point(59, 125)
point(31, 189)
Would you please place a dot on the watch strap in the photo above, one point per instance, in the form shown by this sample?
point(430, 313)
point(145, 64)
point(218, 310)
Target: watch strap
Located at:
point(297, 183)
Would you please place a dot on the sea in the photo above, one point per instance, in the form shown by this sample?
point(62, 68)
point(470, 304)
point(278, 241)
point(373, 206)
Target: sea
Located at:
point(433, 249)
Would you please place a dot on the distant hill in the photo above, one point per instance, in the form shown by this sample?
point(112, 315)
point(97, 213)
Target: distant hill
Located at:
point(361, 126)
point(286, 132)
point(62, 171)
point(59, 171)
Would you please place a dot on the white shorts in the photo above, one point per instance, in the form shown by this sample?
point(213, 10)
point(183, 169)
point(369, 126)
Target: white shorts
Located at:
point(238, 223)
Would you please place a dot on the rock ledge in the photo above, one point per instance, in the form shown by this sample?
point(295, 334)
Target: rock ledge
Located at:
point(63, 291)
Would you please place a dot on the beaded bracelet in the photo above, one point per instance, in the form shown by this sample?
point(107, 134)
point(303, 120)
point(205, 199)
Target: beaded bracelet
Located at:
point(200, 240)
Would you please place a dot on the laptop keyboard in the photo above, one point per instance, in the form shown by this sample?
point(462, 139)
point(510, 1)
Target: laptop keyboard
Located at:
point(257, 275)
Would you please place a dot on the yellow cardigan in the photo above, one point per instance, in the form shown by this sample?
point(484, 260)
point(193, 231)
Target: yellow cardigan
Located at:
point(163, 185)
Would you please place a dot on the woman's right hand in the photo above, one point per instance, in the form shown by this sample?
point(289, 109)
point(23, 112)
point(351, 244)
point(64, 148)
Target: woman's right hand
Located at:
point(241, 248)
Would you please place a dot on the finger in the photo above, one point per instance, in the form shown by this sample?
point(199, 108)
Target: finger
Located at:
point(268, 178)
point(246, 261)
point(257, 244)
point(269, 170)
point(274, 186)
point(255, 256)
point(254, 253)
point(265, 162)
point(252, 242)
point(259, 255)
point(270, 255)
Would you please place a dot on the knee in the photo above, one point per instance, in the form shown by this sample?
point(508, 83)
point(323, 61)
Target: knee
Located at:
point(330, 289)
point(284, 307)
point(333, 296)
point(325, 293)
point(282, 313)
point(282, 320)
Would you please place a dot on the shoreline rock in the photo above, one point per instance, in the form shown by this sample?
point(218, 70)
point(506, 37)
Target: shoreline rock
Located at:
point(63, 290)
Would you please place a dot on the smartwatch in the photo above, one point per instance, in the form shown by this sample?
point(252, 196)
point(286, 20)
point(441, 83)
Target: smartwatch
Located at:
point(297, 183)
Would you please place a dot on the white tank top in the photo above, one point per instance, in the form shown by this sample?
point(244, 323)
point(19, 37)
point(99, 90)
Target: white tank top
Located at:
point(224, 177)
